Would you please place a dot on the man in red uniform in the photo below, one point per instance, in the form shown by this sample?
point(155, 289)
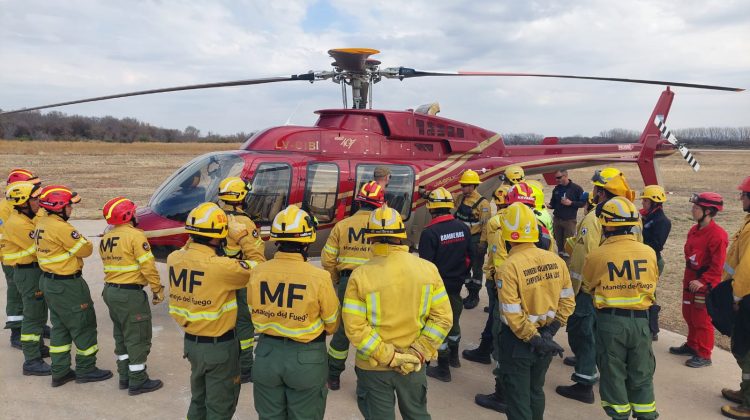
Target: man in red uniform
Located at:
point(705, 252)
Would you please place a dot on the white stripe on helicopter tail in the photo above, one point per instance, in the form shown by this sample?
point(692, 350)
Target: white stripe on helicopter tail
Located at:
point(672, 139)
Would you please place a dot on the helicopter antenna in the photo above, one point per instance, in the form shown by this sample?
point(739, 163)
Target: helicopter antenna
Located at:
point(289, 120)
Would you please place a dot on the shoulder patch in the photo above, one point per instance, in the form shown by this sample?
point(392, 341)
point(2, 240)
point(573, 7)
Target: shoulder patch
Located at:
point(146, 247)
point(499, 284)
point(485, 209)
point(255, 233)
point(75, 235)
point(584, 231)
point(244, 265)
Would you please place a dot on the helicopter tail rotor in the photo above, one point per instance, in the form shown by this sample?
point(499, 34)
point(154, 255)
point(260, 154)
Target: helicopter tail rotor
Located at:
point(686, 154)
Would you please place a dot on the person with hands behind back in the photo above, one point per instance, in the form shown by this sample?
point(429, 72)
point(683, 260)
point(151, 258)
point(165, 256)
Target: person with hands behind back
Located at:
point(396, 313)
point(129, 265)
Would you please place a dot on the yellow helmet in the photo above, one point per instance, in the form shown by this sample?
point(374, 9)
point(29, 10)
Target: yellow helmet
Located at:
point(440, 198)
point(618, 211)
point(469, 177)
point(538, 189)
point(207, 220)
point(233, 189)
point(385, 221)
point(514, 174)
point(501, 195)
point(293, 225)
point(520, 224)
point(18, 193)
point(613, 180)
point(654, 193)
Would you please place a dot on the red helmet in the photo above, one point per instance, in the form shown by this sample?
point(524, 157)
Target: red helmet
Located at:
point(708, 199)
point(17, 175)
point(371, 193)
point(118, 211)
point(745, 186)
point(522, 193)
point(54, 198)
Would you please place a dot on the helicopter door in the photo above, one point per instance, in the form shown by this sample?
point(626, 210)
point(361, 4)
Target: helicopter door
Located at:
point(321, 191)
point(270, 191)
point(400, 189)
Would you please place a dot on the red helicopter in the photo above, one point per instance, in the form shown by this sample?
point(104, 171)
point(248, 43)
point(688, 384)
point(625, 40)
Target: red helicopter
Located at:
point(319, 167)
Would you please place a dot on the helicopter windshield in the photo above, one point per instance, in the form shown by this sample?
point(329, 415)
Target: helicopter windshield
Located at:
point(195, 183)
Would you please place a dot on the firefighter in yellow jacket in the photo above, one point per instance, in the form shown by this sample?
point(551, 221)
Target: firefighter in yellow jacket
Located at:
point(249, 247)
point(60, 250)
point(129, 266)
point(621, 275)
point(293, 306)
point(536, 299)
point(474, 210)
point(396, 313)
point(345, 250)
point(19, 253)
point(203, 301)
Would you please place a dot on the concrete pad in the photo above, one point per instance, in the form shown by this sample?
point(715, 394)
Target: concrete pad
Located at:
point(681, 392)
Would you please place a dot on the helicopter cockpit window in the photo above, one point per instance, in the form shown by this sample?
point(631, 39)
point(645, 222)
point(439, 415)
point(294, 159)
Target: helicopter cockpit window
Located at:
point(400, 189)
point(195, 183)
point(321, 191)
point(270, 193)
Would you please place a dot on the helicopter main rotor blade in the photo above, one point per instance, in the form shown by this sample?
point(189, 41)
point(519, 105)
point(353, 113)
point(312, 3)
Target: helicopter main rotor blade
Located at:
point(405, 72)
point(310, 77)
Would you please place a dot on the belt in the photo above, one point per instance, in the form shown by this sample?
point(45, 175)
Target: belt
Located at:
point(125, 286)
point(29, 265)
point(346, 273)
point(320, 338)
point(61, 276)
point(227, 336)
point(629, 313)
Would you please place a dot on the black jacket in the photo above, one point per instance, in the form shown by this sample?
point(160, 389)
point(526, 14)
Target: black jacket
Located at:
point(572, 192)
point(446, 242)
point(656, 228)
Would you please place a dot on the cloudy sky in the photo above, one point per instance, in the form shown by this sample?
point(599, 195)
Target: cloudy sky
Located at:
point(56, 51)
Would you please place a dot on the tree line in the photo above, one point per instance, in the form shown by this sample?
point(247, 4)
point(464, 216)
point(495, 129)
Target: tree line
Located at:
point(59, 126)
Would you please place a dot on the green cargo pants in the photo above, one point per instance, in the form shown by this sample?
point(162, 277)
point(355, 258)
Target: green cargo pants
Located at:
point(626, 361)
point(743, 360)
point(581, 340)
point(34, 310)
point(377, 392)
point(13, 300)
point(450, 345)
point(131, 326)
point(523, 373)
point(338, 350)
point(497, 324)
point(214, 379)
point(289, 380)
point(73, 321)
point(245, 332)
point(474, 282)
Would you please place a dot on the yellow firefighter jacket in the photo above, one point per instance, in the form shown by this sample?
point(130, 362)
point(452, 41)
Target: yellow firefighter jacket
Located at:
point(474, 210)
point(346, 247)
point(588, 237)
point(60, 249)
point(496, 252)
point(621, 273)
point(737, 265)
point(18, 246)
point(395, 301)
point(5, 210)
point(291, 298)
point(202, 287)
point(250, 246)
point(534, 289)
point(127, 257)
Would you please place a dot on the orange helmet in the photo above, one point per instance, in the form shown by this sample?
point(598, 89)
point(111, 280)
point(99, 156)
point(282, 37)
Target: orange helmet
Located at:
point(371, 193)
point(54, 198)
point(118, 211)
point(17, 175)
point(522, 193)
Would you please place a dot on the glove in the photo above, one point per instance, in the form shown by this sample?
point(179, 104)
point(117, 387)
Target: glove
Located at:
point(544, 346)
point(158, 295)
point(408, 368)
point(402, 363)
point(549, 331)
point(237, 231)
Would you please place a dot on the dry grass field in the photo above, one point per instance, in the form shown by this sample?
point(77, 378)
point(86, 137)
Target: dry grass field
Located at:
point(99, 171)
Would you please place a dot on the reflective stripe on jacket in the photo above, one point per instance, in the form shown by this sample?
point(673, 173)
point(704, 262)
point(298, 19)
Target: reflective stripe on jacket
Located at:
point(127, 258)
point(60, 248)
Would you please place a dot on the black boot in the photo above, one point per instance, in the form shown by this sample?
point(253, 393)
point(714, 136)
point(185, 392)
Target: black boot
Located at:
point(36, 367)
point(480, 354)
point(578, 392)
point(334, 383)
point(570, 361)
point(494, 401)
point(454, 361)
point(64, 380)
point(246, 376)
point(94, 376)
point(44, 350)
point(124, 383)
point(46, 332)
point(472, 300)
point(442, 371)
point(150, 385)
point(15, 338)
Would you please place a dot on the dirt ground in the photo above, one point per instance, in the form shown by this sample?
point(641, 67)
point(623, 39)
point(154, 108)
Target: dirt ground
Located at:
point(99, 171)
